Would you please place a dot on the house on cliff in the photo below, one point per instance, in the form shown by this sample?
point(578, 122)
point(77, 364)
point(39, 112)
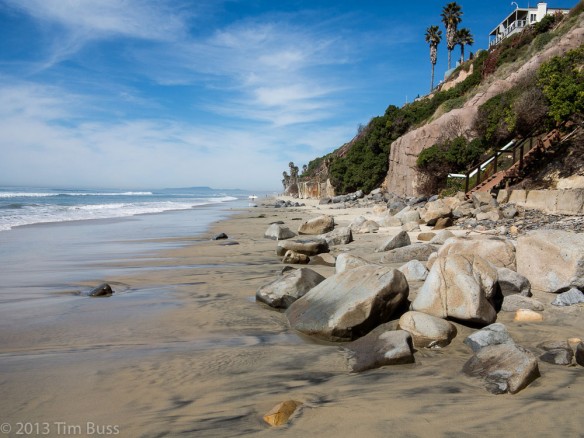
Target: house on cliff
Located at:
point(519, 19)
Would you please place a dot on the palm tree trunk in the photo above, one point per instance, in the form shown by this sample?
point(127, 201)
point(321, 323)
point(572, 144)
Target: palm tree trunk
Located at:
point(432, 82)
point(462, 53)
point(449, 55)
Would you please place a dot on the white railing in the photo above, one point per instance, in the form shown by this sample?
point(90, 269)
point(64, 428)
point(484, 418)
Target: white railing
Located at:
point(483, 165)
point(519, 24)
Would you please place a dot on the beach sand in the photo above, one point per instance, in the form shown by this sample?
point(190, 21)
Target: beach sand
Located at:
point(184, 349)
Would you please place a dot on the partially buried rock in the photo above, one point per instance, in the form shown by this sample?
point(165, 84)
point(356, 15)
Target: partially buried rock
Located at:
point(398, 241)
point(295, 258)
point(319, 225)
point(368, 227)
point(378, 348)
point(556, 352)
point(349, 305)
point(220, 236)
point(278, 232)
point(323, 260)
point(284, 290)
point(504, 367)
point(307, 247)
point(427, 330)
point(569, 298)
point(281, 413)
point(494, 334)
point(512, 303)
point(461, 287)
point(103, 290)
point(525, 315)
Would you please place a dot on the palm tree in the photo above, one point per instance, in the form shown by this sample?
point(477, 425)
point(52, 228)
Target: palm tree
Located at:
point(451, 14)
point(463, 37)
point(433, 37)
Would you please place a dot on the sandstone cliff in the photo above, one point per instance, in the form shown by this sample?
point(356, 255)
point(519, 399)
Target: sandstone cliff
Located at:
point(403, 177)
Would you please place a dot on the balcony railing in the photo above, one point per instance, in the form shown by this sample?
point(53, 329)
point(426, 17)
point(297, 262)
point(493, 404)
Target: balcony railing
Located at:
point(516, 25)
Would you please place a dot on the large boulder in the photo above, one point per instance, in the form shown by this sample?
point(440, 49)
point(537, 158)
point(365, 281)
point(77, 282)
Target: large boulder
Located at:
point(552, 260)
point(415, 251)
point(504, 367)
point(460, 287)
point(499, 252)
point(279, 232)
point(410, 216)
point(513, 283)
point(493, 334)
point(306, 247)
point(556, 352)
point(378, 348)
point(348, 305)
point(286, 289)
point(319, 225)
point(398, 241)
point(339, 236)
point(427, 330)
point(347, 261)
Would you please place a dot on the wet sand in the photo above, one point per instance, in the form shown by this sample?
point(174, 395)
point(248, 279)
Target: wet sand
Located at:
point(184, 350)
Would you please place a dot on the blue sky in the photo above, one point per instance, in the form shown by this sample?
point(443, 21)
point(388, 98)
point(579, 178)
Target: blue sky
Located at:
point(224, 93)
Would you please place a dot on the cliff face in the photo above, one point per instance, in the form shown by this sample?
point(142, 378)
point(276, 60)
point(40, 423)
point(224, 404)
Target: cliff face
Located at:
point(403, 177)
point(315, 190)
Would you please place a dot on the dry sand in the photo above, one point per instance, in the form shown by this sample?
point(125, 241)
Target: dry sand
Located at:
point(185, 350)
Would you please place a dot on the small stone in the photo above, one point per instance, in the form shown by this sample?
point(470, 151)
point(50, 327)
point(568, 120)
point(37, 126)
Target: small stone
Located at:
point(493, 334)
point(556, 352)
point(426, 237)
point(398, 241)
point(569, 298)
point(295, 258)
point(410, 226)
point(281, 413)
point(525, 315)
point(580, 354)
point(378, 348)
point(103, 290)
point(325, 259)
point(512, 303)
point(513, 230)
point(443, 223)
point(220, 236)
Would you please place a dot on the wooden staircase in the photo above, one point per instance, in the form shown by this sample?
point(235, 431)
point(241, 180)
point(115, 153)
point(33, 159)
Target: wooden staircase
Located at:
point(520, 165)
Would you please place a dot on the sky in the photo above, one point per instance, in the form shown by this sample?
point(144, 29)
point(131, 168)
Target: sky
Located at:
point(219, 93)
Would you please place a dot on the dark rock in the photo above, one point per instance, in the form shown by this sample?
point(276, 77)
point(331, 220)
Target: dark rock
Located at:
point(493, 334)
point(398, 241)
point(504, 367)
point(230, 243)
point(325, 201)
point(556, 352)
point(569, 298)
point(284, 290)
point(580, 354)
point(442, 223)
point(513, 283)
point(396, 206)
point(378, 348)
point(277, 223)
point(103, 290)
point(350, 304)
point(220, 236)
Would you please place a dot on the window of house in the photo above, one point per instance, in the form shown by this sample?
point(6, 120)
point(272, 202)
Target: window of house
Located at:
point(532, 18)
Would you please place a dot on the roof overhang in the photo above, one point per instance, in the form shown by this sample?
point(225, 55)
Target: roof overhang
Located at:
point(494, 31)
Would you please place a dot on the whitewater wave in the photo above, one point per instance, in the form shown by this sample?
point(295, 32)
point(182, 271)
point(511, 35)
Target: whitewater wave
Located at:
point(51, 194)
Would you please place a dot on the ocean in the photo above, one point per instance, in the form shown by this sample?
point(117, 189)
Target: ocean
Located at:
point(51, 239)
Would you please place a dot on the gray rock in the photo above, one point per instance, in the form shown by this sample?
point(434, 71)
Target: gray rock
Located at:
point(513, 283)
point(556, 353)
point(509, 212)
point(357, 223)
point(552, 260)
point(368, 227)
point(434, 211)
point(410, 216)
point(278, 232)
point(464, 210)
point(415, 251)
point(504, 367)
point(441, 237)
point(286, 289)
point(398, 241)
point(410, 226)
point(396, 206)
point(220, 236)
point(480, 199)
point(319, 225)
point(580, 354)
point(347, 261)
point(339, 236)
point(307, 247)
point(461, 287)
point(512, 303)
point(103, 290)
point(349, 305)
point(379, 348)
point(414, 270)
point(569, 298)
point(295, 258)
point(492, 215)
point(427, 330)
point(493, 334)
point(325, 201)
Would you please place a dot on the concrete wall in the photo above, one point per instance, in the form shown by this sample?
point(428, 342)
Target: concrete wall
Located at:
point(551, 201)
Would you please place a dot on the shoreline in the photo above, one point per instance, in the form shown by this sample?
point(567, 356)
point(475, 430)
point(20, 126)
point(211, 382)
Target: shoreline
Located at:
point(188, 350)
